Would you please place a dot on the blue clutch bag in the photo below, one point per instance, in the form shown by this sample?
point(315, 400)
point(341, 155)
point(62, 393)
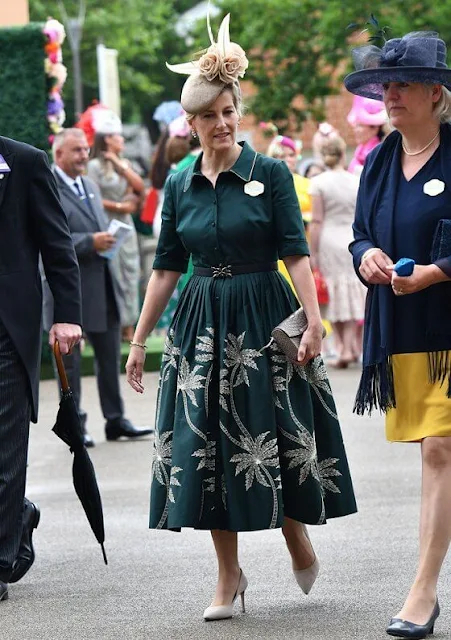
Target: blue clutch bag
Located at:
point(404, 267)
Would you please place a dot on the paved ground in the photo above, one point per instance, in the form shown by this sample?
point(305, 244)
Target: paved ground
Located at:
point(158, 583)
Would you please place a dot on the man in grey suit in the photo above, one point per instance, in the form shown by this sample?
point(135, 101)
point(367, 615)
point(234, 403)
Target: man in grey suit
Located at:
point(82, 202)
point(32, 222)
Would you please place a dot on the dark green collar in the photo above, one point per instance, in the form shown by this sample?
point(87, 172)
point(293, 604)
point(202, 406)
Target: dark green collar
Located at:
point(243, 167)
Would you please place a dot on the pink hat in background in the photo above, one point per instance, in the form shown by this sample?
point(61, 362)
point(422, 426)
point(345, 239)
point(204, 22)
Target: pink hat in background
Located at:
point(285, 141)
point(179, 128)
point(368, 112)
point(275, 148)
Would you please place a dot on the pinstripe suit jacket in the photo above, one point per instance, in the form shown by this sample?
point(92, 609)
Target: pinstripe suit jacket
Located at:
point(32, 222)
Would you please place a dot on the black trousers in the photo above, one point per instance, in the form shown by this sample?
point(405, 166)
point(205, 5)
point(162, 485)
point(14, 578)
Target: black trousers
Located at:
point(15, 415)
point(107, 353)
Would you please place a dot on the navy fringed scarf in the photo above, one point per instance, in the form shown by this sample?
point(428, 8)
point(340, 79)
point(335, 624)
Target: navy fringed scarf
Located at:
point(373, 227)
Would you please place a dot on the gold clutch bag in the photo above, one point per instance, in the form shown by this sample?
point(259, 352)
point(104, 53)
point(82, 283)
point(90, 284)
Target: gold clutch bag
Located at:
point(288, 334)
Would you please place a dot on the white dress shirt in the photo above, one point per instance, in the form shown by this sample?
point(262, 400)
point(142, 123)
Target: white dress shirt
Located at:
point(71, 182)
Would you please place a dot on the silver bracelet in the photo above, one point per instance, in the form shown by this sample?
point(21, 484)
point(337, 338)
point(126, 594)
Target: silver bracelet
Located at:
point(368, 253)
point(141, 345)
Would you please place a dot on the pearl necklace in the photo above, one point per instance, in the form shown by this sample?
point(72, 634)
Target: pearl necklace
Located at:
point(417, 153)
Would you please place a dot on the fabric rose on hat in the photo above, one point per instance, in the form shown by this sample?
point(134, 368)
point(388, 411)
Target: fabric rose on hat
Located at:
point(227, 67)
point(210, 63)
point(223, 60)
point(211, 70)
point(234, 64)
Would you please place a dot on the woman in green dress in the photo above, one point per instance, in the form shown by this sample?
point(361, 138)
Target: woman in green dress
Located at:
point(245, 440)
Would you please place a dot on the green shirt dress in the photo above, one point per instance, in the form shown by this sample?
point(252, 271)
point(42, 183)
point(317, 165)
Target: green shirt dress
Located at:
point(243, 437)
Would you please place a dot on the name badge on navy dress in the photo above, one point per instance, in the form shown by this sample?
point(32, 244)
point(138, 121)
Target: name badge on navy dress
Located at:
point(434, 187)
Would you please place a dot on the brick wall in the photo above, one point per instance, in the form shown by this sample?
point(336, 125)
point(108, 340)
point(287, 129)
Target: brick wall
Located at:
point(337, 108)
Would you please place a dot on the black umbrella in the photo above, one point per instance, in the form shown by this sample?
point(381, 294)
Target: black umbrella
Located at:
point(68, 428)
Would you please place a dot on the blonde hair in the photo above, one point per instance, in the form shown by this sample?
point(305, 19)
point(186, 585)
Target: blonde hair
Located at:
point(333, 151)
point(442, 108)
point(236, 97)
point(275, 149)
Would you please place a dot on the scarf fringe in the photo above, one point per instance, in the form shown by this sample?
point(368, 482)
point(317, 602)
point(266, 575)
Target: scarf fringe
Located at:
point(376, 389)
point(439, 368)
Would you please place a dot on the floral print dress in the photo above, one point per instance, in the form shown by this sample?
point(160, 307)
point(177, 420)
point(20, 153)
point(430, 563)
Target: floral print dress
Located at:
point(243, 437)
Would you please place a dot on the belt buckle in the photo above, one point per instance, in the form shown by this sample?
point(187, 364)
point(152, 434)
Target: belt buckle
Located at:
point(222, 271)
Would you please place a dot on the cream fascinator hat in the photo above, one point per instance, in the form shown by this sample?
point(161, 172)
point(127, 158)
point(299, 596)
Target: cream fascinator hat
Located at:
point(105, 122)
point(220, 65)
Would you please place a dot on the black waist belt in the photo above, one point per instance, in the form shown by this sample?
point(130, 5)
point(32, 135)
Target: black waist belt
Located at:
point(228, 271)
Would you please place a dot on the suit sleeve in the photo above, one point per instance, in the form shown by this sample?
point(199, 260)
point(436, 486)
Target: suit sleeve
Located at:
point(55, 244)
point(83, 243)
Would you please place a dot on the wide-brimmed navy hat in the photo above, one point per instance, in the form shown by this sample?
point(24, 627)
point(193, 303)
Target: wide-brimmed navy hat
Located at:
point(419, 56)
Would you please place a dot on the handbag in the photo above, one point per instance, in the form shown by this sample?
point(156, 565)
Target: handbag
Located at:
point(288, 334)
point(150, 206)
point(322, 292)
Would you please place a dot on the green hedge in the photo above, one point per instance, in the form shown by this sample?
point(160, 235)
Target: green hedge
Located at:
point(23, 103)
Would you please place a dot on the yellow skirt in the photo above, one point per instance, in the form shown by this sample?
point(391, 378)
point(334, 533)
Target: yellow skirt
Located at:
point(422, 408)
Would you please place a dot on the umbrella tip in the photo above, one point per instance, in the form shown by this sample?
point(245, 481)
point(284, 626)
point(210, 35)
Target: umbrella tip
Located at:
point(105, 559)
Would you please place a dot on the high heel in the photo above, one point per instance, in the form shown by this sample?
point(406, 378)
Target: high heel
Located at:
point(306, 577)
point(225, 611)
point(405, 629)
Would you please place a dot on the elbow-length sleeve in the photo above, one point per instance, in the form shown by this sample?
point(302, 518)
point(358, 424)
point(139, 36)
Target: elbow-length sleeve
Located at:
point(290, 232)
point(171, 253)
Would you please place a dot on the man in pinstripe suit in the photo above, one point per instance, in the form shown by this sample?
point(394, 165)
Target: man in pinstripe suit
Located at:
point(32, 222)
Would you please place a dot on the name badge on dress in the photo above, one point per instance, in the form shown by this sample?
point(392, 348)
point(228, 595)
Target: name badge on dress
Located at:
point(433, 187)
point(254, 188)
point(4, 167)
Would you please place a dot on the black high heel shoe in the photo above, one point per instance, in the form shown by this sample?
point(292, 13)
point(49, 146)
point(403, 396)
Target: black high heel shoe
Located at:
point(405, 629)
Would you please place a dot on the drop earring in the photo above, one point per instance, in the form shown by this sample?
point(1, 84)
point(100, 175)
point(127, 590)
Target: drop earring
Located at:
point(193, 133)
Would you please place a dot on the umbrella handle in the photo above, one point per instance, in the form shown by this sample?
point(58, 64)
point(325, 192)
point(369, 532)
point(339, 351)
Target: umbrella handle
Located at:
point(60, 366)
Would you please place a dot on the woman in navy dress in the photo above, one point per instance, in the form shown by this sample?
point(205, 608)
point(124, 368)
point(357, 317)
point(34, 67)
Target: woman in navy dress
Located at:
point(405, 194)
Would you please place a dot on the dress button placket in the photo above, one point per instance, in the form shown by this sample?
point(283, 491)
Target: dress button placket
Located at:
point(214, 224)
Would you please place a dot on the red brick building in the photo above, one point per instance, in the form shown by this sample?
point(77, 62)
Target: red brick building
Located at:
point(337, 108)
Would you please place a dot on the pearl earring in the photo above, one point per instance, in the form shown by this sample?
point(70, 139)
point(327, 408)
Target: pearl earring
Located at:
point(193, 133)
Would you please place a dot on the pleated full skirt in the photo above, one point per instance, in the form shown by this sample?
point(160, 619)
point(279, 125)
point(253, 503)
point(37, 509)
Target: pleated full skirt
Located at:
point(243, 437)
point(346, 293)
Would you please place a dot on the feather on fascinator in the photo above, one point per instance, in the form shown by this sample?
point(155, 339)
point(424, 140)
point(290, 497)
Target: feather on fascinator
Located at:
point(220, 65)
